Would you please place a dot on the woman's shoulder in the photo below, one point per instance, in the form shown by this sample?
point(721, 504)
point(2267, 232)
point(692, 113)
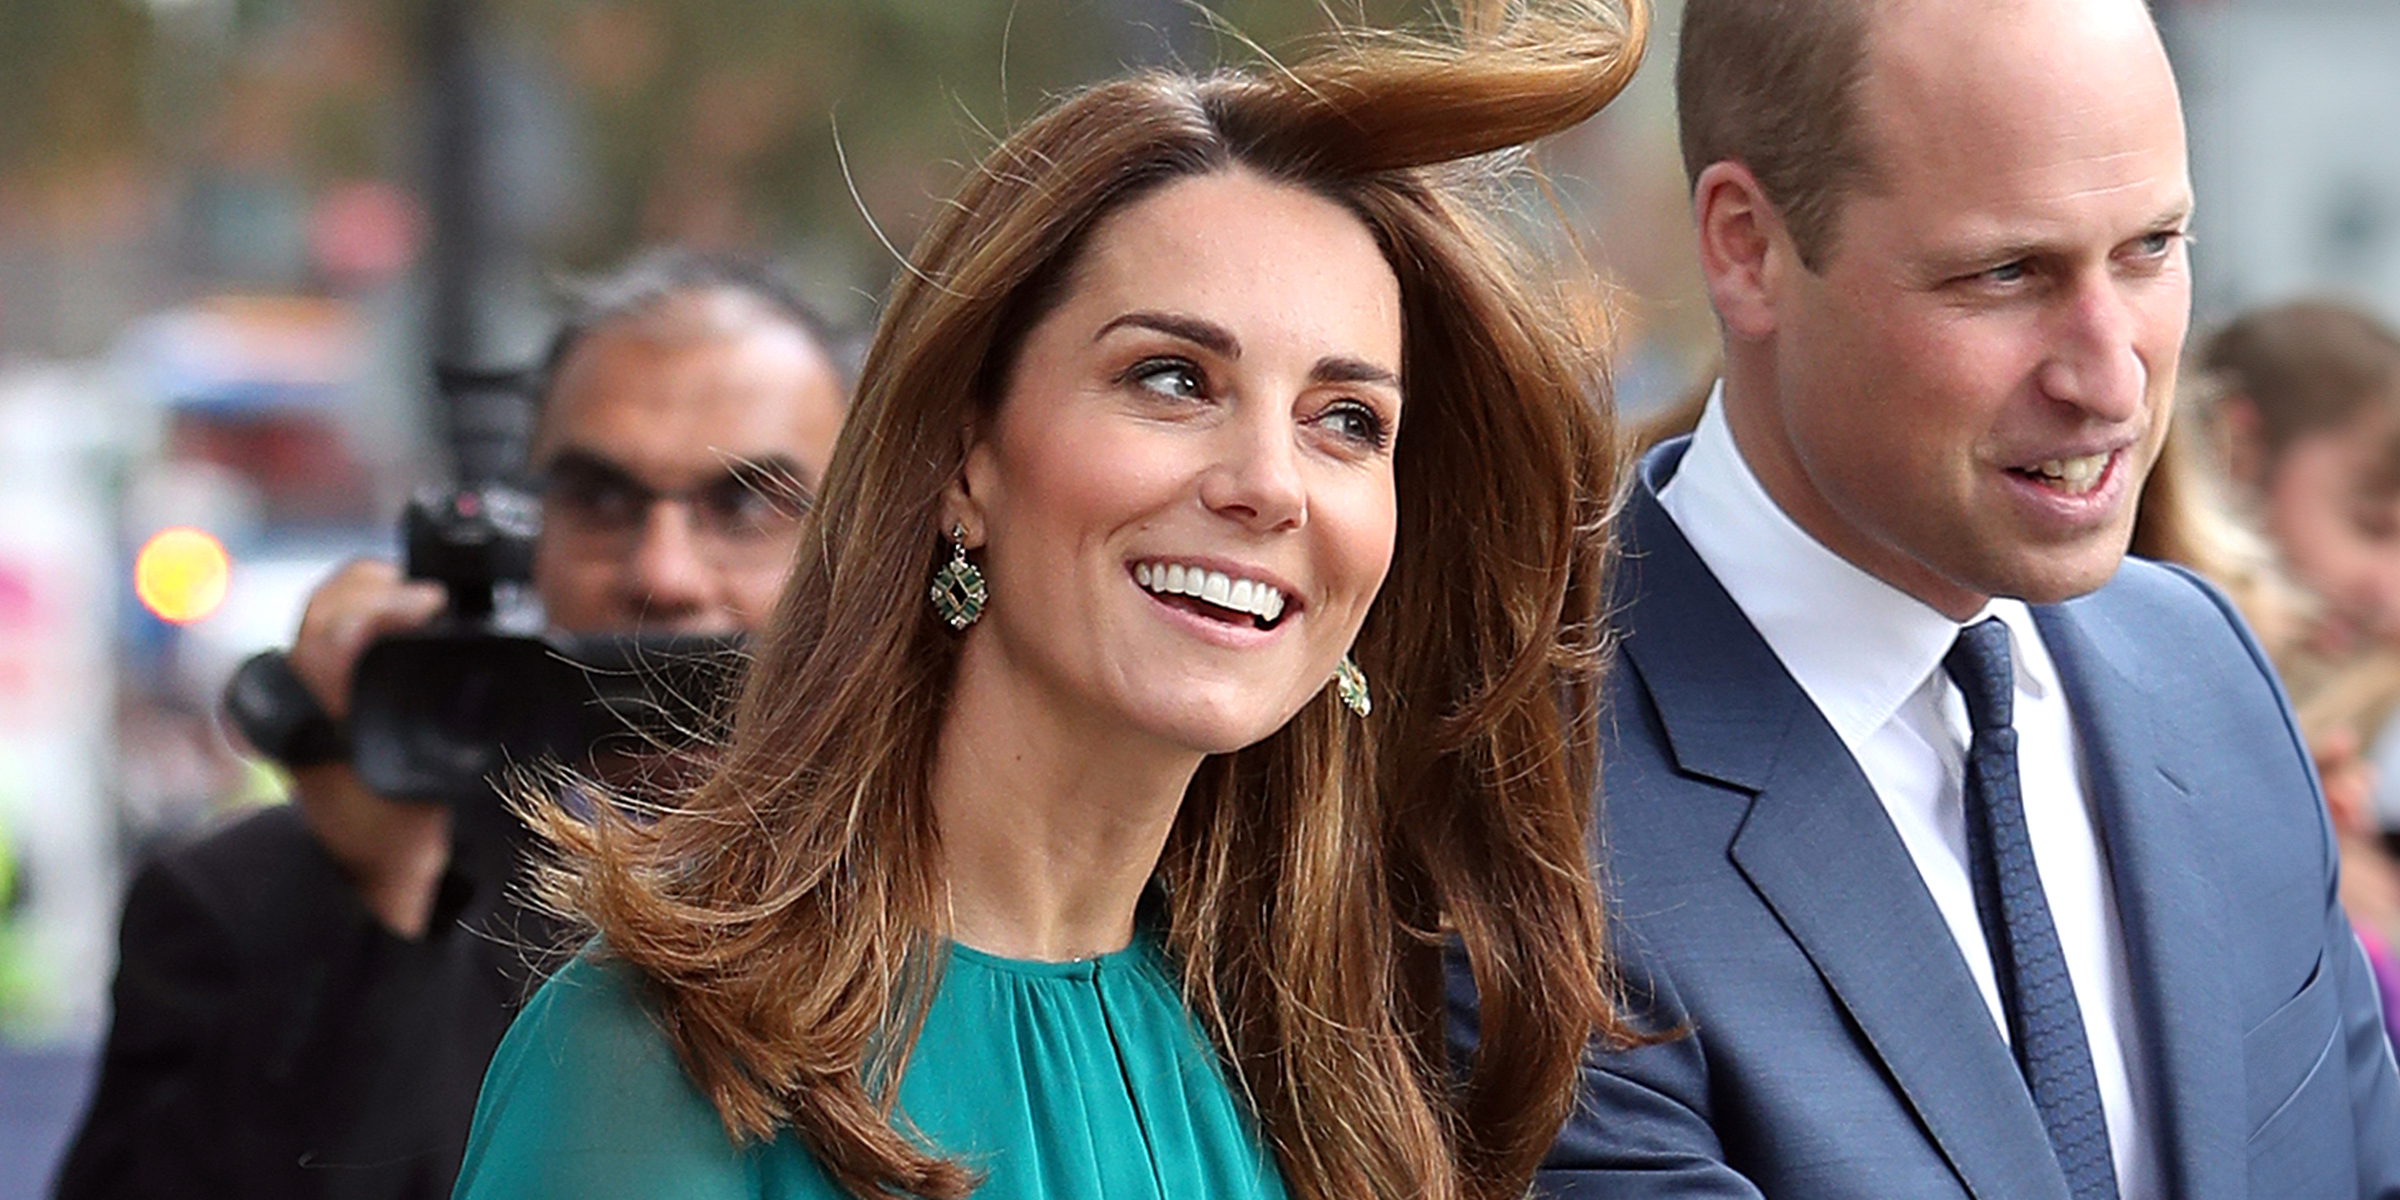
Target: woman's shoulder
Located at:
point(591, 1023)
point(586, 1098)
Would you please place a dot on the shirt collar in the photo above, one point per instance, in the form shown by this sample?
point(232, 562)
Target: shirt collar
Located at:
point(1858, 646)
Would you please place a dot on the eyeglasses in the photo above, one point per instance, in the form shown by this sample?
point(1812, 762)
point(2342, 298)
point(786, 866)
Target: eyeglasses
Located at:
point(599, 509)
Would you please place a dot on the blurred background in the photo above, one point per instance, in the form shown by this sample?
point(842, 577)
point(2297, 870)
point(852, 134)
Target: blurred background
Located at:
point(235, 233)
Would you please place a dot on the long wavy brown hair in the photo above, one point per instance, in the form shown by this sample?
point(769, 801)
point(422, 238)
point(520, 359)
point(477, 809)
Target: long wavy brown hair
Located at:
point(787, 913)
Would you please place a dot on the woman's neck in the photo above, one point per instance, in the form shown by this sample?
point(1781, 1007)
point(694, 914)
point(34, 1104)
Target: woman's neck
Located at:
point(1050, 826)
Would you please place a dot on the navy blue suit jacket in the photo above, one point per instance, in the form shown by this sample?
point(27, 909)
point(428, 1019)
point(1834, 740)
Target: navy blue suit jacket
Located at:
point(1838, 1047)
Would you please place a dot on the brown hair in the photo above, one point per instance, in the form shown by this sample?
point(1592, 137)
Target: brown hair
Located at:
point(787, 912)
point(2305, 366)
point(2183, 517)
point(1773, 85)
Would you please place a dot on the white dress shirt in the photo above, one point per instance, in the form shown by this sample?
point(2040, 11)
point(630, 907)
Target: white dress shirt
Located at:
point(1870, 657)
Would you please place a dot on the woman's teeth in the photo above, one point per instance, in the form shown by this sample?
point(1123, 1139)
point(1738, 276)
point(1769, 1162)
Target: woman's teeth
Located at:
point(2073, 476)
point(1259, 600)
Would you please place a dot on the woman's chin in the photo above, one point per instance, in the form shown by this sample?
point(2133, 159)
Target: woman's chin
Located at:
point(1208, 729)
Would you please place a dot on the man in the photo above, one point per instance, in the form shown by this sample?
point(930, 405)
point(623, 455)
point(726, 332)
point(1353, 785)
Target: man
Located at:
point(1950, 854)
point(306, 1000)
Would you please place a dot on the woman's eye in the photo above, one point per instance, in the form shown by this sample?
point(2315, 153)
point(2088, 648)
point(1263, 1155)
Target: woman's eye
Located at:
point(1355, 423)
point(1169, 377)
point(2375, 522)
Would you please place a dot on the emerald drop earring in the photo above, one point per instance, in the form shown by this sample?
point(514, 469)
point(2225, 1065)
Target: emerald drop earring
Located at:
point(958, 591)
point(1350, 684)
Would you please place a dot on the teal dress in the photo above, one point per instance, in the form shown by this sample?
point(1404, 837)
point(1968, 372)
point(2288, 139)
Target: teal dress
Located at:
point(1060, 1081)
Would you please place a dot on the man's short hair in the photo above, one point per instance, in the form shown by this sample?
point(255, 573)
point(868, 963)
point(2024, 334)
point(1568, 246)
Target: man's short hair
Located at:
point(1773, 85)
point(654, 277)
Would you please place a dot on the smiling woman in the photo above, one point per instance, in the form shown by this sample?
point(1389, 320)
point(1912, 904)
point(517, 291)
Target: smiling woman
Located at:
point(1083, 879)
point(1178, 415)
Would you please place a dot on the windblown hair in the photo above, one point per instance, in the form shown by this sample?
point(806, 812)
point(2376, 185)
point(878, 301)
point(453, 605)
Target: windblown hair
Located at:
point(788, 913)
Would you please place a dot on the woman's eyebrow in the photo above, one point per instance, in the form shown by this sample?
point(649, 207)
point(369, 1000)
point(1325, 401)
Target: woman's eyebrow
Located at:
point(1343, 369)
point(1207, 335)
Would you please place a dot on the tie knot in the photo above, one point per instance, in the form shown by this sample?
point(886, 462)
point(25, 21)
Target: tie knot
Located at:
point(1978, 663)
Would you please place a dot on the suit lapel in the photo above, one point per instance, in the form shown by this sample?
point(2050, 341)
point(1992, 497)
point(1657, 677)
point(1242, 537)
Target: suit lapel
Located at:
point(1822, 854)
point(2173, 927)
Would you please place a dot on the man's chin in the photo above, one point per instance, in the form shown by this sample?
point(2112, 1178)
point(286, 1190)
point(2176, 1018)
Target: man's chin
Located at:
point(2052, 581)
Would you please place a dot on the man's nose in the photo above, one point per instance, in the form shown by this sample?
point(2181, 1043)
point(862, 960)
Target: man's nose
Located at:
point(2095, 360)
point(667, 575)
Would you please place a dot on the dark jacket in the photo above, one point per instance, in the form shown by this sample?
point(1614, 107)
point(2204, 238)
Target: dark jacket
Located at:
point(271, 1039)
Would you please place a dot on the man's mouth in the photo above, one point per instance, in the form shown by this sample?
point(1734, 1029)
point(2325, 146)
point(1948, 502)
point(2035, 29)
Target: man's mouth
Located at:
point(2073, 476)
point(1215, 595)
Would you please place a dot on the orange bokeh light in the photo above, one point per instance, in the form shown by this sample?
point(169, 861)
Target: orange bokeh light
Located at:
point(181, 573)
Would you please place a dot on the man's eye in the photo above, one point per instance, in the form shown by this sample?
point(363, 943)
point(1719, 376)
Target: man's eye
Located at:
point(2007, 273)
point(602, 503)
point(2156, 245)
point(1172, 377)
point(747, 507)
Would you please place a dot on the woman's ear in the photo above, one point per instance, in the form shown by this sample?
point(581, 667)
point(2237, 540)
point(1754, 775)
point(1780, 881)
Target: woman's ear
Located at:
point(964, 498)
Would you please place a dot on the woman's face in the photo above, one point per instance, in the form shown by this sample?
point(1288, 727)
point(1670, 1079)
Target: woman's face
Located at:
point(1184, 501)
point(2333, 510)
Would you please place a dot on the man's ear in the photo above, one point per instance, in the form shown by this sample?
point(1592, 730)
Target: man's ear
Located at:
point(1744, 248)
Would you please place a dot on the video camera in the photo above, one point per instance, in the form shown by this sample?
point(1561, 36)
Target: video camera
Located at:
point(436, 712)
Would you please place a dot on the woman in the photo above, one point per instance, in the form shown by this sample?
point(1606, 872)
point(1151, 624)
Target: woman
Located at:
point(1083, 880)
point(2301, 402)
point(2303, 407)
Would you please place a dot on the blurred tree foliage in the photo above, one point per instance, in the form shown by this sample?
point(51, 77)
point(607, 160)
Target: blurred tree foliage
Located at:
point(71, 84)
point(719, 119)
point(711, 121)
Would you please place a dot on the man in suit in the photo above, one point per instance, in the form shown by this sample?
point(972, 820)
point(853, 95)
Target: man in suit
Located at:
point(1953, 854)
point(306, 1000)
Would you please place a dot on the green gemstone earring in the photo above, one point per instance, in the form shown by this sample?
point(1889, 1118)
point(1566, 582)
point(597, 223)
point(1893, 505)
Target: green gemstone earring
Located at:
point(958, 592)
point(1350, 684)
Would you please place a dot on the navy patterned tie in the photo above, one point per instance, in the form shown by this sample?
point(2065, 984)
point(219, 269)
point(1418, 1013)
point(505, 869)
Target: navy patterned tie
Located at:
point(2045, 1025)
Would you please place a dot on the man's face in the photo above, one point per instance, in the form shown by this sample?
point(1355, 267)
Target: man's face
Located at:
point(677, 449)
point(1965, 400)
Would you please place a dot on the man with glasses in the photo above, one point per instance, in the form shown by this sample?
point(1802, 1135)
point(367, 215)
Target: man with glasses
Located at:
point(306, 1000)
point(681, 428)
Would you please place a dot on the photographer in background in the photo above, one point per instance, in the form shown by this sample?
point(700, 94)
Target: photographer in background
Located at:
point(305, 1001)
